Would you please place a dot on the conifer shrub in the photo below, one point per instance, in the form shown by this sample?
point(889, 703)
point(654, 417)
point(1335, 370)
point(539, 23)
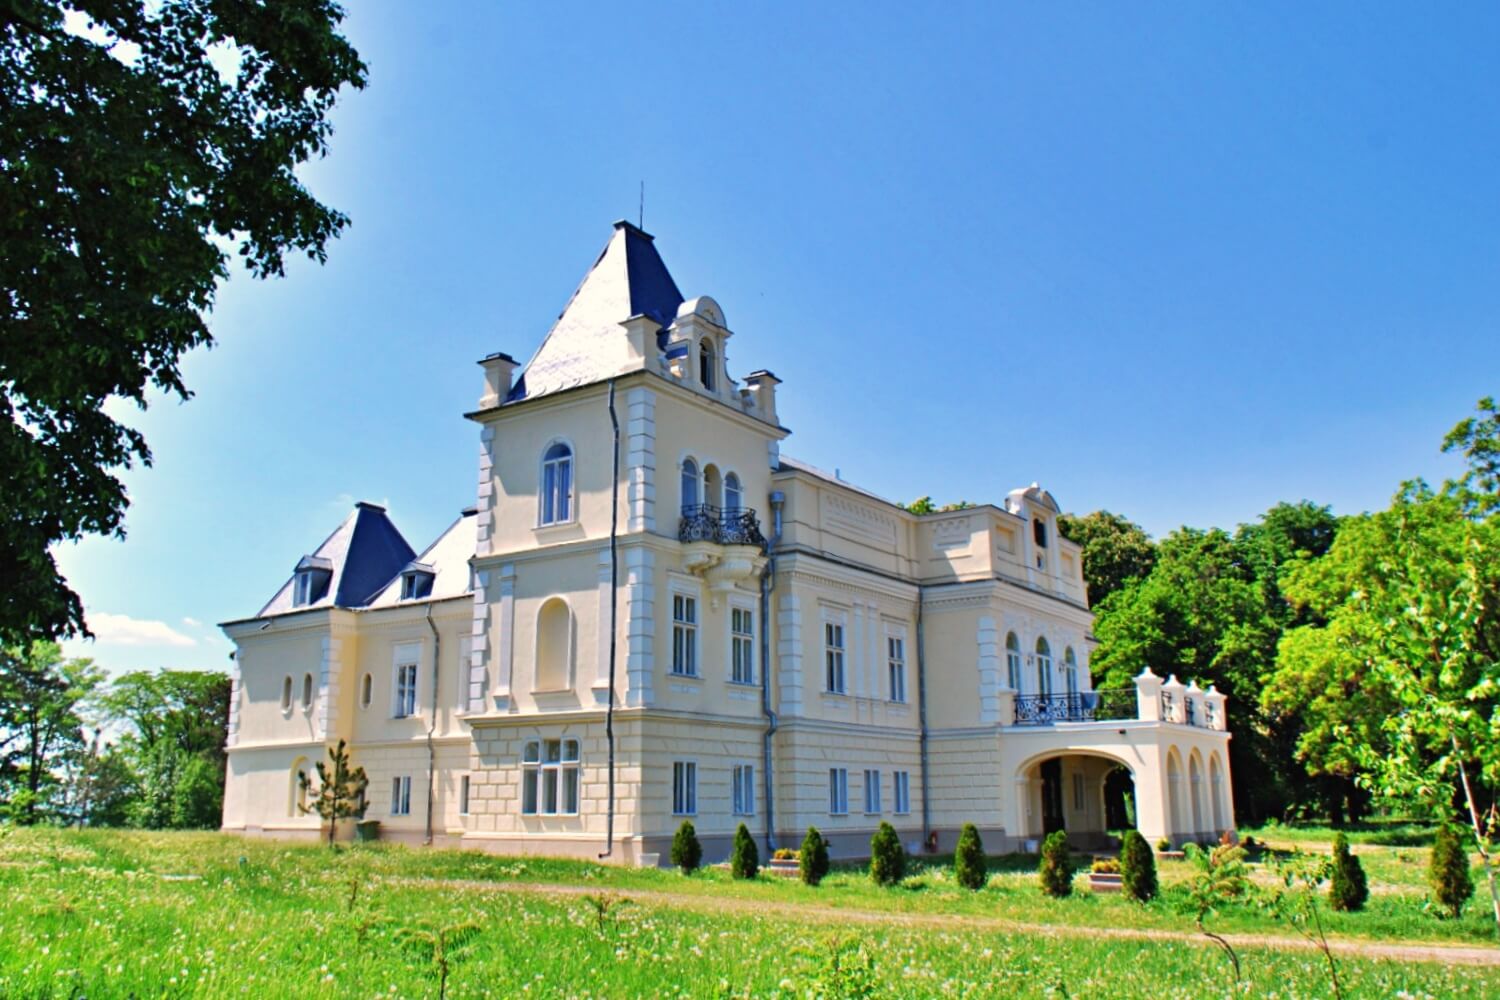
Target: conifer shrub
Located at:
point(1056, 869)
point(744, 859)
point(812, 859)
point(687, 853)
point(968, 859)
point(887, 856)
point(1448, 872)
point(1348, 889)
point(1137, 868)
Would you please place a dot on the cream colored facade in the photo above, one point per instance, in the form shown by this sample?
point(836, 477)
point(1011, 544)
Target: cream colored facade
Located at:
point(794, 652)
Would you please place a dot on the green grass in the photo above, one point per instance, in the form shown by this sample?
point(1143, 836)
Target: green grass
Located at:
point(107, 914)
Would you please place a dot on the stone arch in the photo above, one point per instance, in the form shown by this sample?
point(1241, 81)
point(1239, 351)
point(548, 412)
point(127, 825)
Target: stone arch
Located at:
point(554, 646)
point(1064, 788)
point(691, 487)
point(1197, 789)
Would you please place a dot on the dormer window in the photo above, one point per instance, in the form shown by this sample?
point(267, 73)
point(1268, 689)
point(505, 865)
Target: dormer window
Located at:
point(1039, 532)
point(706, 363)
point(416, 581)
point(310, 580)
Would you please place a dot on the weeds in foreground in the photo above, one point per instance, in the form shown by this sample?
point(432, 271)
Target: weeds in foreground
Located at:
point(606, 907)
point(440, 948)
point(1296, 900)
point(1219, 876)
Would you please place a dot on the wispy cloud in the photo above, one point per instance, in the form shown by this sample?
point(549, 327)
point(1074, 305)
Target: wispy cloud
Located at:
point(191, 622)
point(123, 630)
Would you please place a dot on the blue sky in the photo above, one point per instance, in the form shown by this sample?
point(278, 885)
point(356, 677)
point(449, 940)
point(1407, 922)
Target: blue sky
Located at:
point(1178, 261)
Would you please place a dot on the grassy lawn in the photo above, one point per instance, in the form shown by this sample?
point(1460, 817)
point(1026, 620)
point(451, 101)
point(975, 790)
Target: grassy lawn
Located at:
point(105, 913)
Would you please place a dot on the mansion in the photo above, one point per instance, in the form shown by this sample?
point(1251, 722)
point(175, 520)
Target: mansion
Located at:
point(652, 614)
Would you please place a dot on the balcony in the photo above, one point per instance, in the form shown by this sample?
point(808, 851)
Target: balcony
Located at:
point(1150, 700)
point(1084, 706)
point(704, 522)
point(721, 544)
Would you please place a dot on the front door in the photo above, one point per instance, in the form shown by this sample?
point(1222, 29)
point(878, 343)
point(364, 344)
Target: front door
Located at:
point(1052, 795)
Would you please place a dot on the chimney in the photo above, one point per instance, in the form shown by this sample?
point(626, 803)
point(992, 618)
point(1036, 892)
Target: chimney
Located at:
point(640, 336)
point(762, 387)
point(498, 369)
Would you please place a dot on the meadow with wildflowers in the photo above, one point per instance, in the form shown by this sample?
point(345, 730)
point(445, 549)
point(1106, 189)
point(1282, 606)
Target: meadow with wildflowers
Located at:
point(117, 914)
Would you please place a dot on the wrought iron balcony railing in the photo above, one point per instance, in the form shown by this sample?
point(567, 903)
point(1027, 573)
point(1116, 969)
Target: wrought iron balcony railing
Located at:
point(726, 525)
point(1085, 706)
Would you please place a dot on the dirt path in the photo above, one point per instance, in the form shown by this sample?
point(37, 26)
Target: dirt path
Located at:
point(1406, 952)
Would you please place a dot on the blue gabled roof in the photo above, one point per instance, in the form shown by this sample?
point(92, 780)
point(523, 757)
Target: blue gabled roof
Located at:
point(376, 553)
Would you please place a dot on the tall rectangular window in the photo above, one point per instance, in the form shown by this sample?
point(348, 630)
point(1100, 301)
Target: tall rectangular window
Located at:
point(401, 796)
point(742, 646)
point(684, 635)
point(406, 690)
point(901, 791)
point(684, 788)
point(833, 654)
point(895, 648)
point(872, 791)
point(549, 778)
point(557, 484)
point(838, 791)
point(744, 790)
point(463, 795)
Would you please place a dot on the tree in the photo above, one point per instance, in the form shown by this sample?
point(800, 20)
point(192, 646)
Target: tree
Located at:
point(1448, 871)
point(1137, 868)
point(141, 142)
point(340, 793)
point(812, 859)
point(969, 867)
point(176, 724)
point(744, 858)
point(687, 853)
point(1115, 551)
point(887, 856)
point(1347, 888)
point(42, 700)
point(1219, 875)
point(1056, 868)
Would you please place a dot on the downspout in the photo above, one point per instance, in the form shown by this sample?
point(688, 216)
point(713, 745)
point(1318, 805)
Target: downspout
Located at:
point(922, 720)
point(614, 601)
point(432, 725)
point(767, 585)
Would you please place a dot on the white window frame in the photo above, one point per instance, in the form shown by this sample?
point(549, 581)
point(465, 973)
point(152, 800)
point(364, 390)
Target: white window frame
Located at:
point(302, 588)
point(1014, 670)
point(406, 657)
point(1043, 665)
point(685, 656)
point(696, 478)
point(901, 792)
point(1070, 671)
point(401, 795)
point(838, 791)
point(738, 491)
point(872, 792)
point(551, 503)
point(742, 790)
point(708, 361)
point(741, 644)
point(835, 655)
point(684, 788)
point(464, 790)
point(551, 776)
point(895, 660)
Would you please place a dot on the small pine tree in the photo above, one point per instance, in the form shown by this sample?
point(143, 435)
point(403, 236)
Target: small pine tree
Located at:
point(341, 791)
point(687, 853)
point(812, 860)
point(744, 859)
point(1137, 868)
point(968, 859)
point(887, 857)
point(1348, 889)
point(1056, 868)
point(1448, 872)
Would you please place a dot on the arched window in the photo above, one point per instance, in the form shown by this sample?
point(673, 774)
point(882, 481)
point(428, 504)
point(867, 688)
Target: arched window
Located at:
point(554, 646)
point(286, 694)
point(713, 492)
point(706, 363)
point(296, 800)
point(1043, 667)
point(734, 497)
point(1013, 661)
point(557, 484)
point(689, 484)
point(307, 690)
point(1070, 671)
point(1039, 532)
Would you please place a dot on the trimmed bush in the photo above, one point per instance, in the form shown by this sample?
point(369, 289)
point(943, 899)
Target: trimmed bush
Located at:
point(1348, 889)
point(1448, 873)
point(1056, 868)
point(1137, 868)
point(887, 856)
point(687, 853)
point(1105, 866)
point(744, 859)
point(1164, 844)
point(812, 859)
point(968, 859)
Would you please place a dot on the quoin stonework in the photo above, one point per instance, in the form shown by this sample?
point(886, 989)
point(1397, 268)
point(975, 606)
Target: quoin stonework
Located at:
point(788, 649)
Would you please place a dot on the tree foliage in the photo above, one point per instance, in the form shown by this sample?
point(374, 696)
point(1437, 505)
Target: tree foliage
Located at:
point(1137, 868)
point(43, 700)
point(1347, 887)
point(140, 143)
point(969, 868)
point(744, 856)
point(812, 859)
point(887, 856)
point(341, 790)
point(1448, 871)
point(687, 853)
point(176, 725)
point(1056, 868)
point(1115, 551)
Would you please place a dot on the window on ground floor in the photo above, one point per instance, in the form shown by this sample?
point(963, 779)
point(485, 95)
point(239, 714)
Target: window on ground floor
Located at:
point(872, 791)
point(901, 791)
point(838, 791)
point(744, 790)
point(549, 777)
point(401, 796)
point(684, 788)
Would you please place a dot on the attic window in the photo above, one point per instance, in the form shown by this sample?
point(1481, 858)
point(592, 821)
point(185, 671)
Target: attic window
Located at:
point(310, 580)
point(416, 581)
point(1039, 532)
point(303, 593)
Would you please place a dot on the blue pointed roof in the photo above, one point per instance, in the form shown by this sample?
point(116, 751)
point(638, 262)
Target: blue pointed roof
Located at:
point(362, 555)
point(587, 343)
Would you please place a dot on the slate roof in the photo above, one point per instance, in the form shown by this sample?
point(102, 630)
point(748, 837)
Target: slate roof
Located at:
point(587, 343)
point(448, 557)
point(364, 552)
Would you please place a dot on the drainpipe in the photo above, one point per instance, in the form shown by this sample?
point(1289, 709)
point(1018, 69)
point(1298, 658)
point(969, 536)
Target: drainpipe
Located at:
point(922, 720)
point(432, 725)
point(614, 600)
point(767, 585)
